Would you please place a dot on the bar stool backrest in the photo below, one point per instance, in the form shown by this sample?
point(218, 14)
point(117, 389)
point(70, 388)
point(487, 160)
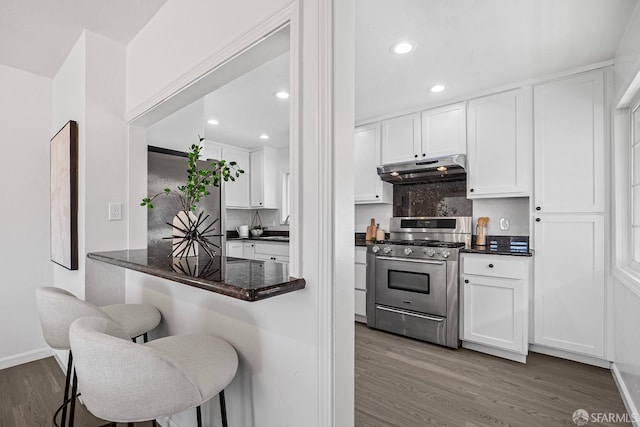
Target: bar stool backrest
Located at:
point(123, 381)
point(58, 309)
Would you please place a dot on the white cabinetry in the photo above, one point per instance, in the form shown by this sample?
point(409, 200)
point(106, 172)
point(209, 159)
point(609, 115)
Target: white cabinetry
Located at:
point(443, 131)
point(499, 146)
point(495, 299)
point(361, 284)
point(241, 249)
point(263, 174)
point(237, 192)
point(569, 290)
point(268, 251)
point(210, 150)
point(369, 188)
point(569, 145)
point(401, 138)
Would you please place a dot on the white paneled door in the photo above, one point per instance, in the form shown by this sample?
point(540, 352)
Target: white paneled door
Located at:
point(569, 144)
point(569, 291)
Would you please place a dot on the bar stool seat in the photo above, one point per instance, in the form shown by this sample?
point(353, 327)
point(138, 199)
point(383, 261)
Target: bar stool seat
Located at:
point(126, 382)
point(58, 308)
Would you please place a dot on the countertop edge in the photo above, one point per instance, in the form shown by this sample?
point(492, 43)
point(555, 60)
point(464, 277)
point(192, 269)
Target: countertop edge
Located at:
point(499, 252)
point(249, 295)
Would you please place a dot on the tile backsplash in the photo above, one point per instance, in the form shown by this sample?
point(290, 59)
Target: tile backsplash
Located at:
point(433, 199)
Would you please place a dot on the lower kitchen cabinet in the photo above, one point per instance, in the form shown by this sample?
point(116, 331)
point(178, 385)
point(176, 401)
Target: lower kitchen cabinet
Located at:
point(495, 301)
point(569, 290)
point(262, 251)
point(361, 284)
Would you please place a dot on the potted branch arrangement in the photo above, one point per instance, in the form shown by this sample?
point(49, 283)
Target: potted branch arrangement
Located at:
point(189, 230)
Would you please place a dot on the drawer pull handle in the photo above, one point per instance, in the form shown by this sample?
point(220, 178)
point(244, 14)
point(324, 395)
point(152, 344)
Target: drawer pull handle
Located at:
point(490, 265)
point(537, 219)
point(466, 280)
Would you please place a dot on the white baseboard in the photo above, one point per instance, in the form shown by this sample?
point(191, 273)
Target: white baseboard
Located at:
point(25, 357)
point(516, 357)
point(626, 396)
point(361, 319)
point(587, 360)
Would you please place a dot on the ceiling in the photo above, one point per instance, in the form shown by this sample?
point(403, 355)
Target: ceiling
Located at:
point(37, 35)
point(474, 45)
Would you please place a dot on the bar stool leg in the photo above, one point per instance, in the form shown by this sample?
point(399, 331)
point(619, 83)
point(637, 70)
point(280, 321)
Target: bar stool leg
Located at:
point(223, 409)
point(145, 337)
point(67, 383)
point(74, 392)
point(199, 416)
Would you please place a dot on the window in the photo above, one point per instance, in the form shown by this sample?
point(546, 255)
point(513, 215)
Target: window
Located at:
point(635, 184)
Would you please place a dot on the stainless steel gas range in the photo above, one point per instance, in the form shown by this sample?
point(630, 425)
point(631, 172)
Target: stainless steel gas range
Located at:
point(412, 278)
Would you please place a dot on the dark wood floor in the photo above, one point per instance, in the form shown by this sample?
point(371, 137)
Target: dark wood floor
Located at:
point(406, 383)
point(31, 393)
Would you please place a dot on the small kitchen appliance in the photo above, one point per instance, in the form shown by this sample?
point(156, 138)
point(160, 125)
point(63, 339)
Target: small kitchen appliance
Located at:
point(412, 278)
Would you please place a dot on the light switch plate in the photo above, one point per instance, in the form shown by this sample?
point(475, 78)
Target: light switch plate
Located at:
point(504, 224)
point(115, 211)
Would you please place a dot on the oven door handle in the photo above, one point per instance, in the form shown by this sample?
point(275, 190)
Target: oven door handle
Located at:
point(419, 261)
point(408, 313)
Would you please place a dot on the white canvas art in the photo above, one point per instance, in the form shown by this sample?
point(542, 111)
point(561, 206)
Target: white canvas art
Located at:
point(64, 195)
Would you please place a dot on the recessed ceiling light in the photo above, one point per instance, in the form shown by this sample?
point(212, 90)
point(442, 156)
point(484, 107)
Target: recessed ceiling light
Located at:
point(402, 47)
point(263, 136)
point(212, 122)
point(437, 88)
point(282, 94)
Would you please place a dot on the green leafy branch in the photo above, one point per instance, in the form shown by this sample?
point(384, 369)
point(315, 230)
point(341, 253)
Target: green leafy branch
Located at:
point(198, 180)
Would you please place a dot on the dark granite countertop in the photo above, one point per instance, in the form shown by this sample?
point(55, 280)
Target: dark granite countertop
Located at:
point(248, 280)
point(281, 239)
point(501, 245)
point(496, 250)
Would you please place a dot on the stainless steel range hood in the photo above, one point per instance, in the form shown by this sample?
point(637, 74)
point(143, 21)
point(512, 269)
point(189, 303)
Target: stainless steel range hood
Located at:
point(440, 169)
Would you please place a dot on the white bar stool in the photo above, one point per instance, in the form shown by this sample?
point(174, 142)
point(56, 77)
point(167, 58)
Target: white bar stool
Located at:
point(125, 382)
point(58, 309)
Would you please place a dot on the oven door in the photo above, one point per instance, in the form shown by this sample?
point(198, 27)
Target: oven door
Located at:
point(412, 284)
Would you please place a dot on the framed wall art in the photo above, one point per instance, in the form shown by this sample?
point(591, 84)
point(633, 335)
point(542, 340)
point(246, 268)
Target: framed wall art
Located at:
point(64, 196)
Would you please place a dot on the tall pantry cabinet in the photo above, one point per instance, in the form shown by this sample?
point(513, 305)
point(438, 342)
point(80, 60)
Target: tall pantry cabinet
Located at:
point(569, 217)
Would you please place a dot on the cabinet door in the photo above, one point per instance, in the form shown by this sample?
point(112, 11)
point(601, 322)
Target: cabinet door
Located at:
point(369, 188)
point(257, 172)
point(210, 151)
point(237, 192)
point(235, 249)
point(249, 250)
point(569, 287)
point(569, 144)
point(401, 139)
point(494, 312)
point(444, 131)
point(361, 305)
point(499, 146)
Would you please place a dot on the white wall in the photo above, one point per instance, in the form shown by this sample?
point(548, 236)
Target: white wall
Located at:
point(285, 344)
point(90, 88)
point(25, 103)
point(627, 59)
point(515, 209)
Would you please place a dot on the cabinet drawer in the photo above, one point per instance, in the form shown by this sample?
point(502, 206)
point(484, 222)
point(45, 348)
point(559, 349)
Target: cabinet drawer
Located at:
point(277, 258)
point(272, 248)
point(361, 255)
point(495, 266)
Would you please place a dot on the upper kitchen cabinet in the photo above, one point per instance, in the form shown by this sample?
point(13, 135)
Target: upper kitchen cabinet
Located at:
point(263, 177)
point(369, 188)
point(499, 146)
point(569, 144)
point(401, 138)
point(443, 132)
point(237, 192)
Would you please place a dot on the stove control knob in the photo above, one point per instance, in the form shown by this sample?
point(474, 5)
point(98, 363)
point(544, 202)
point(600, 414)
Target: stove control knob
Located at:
point(430, 252)
point(387, 249)
point(445, 253)
point(375, 249)
point(408, 251)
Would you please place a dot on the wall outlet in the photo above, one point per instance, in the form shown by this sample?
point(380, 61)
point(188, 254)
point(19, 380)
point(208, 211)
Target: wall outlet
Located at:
point(504, 224)
point(115, 211)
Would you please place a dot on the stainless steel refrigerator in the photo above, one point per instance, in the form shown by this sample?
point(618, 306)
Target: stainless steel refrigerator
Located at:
point(168, 169)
